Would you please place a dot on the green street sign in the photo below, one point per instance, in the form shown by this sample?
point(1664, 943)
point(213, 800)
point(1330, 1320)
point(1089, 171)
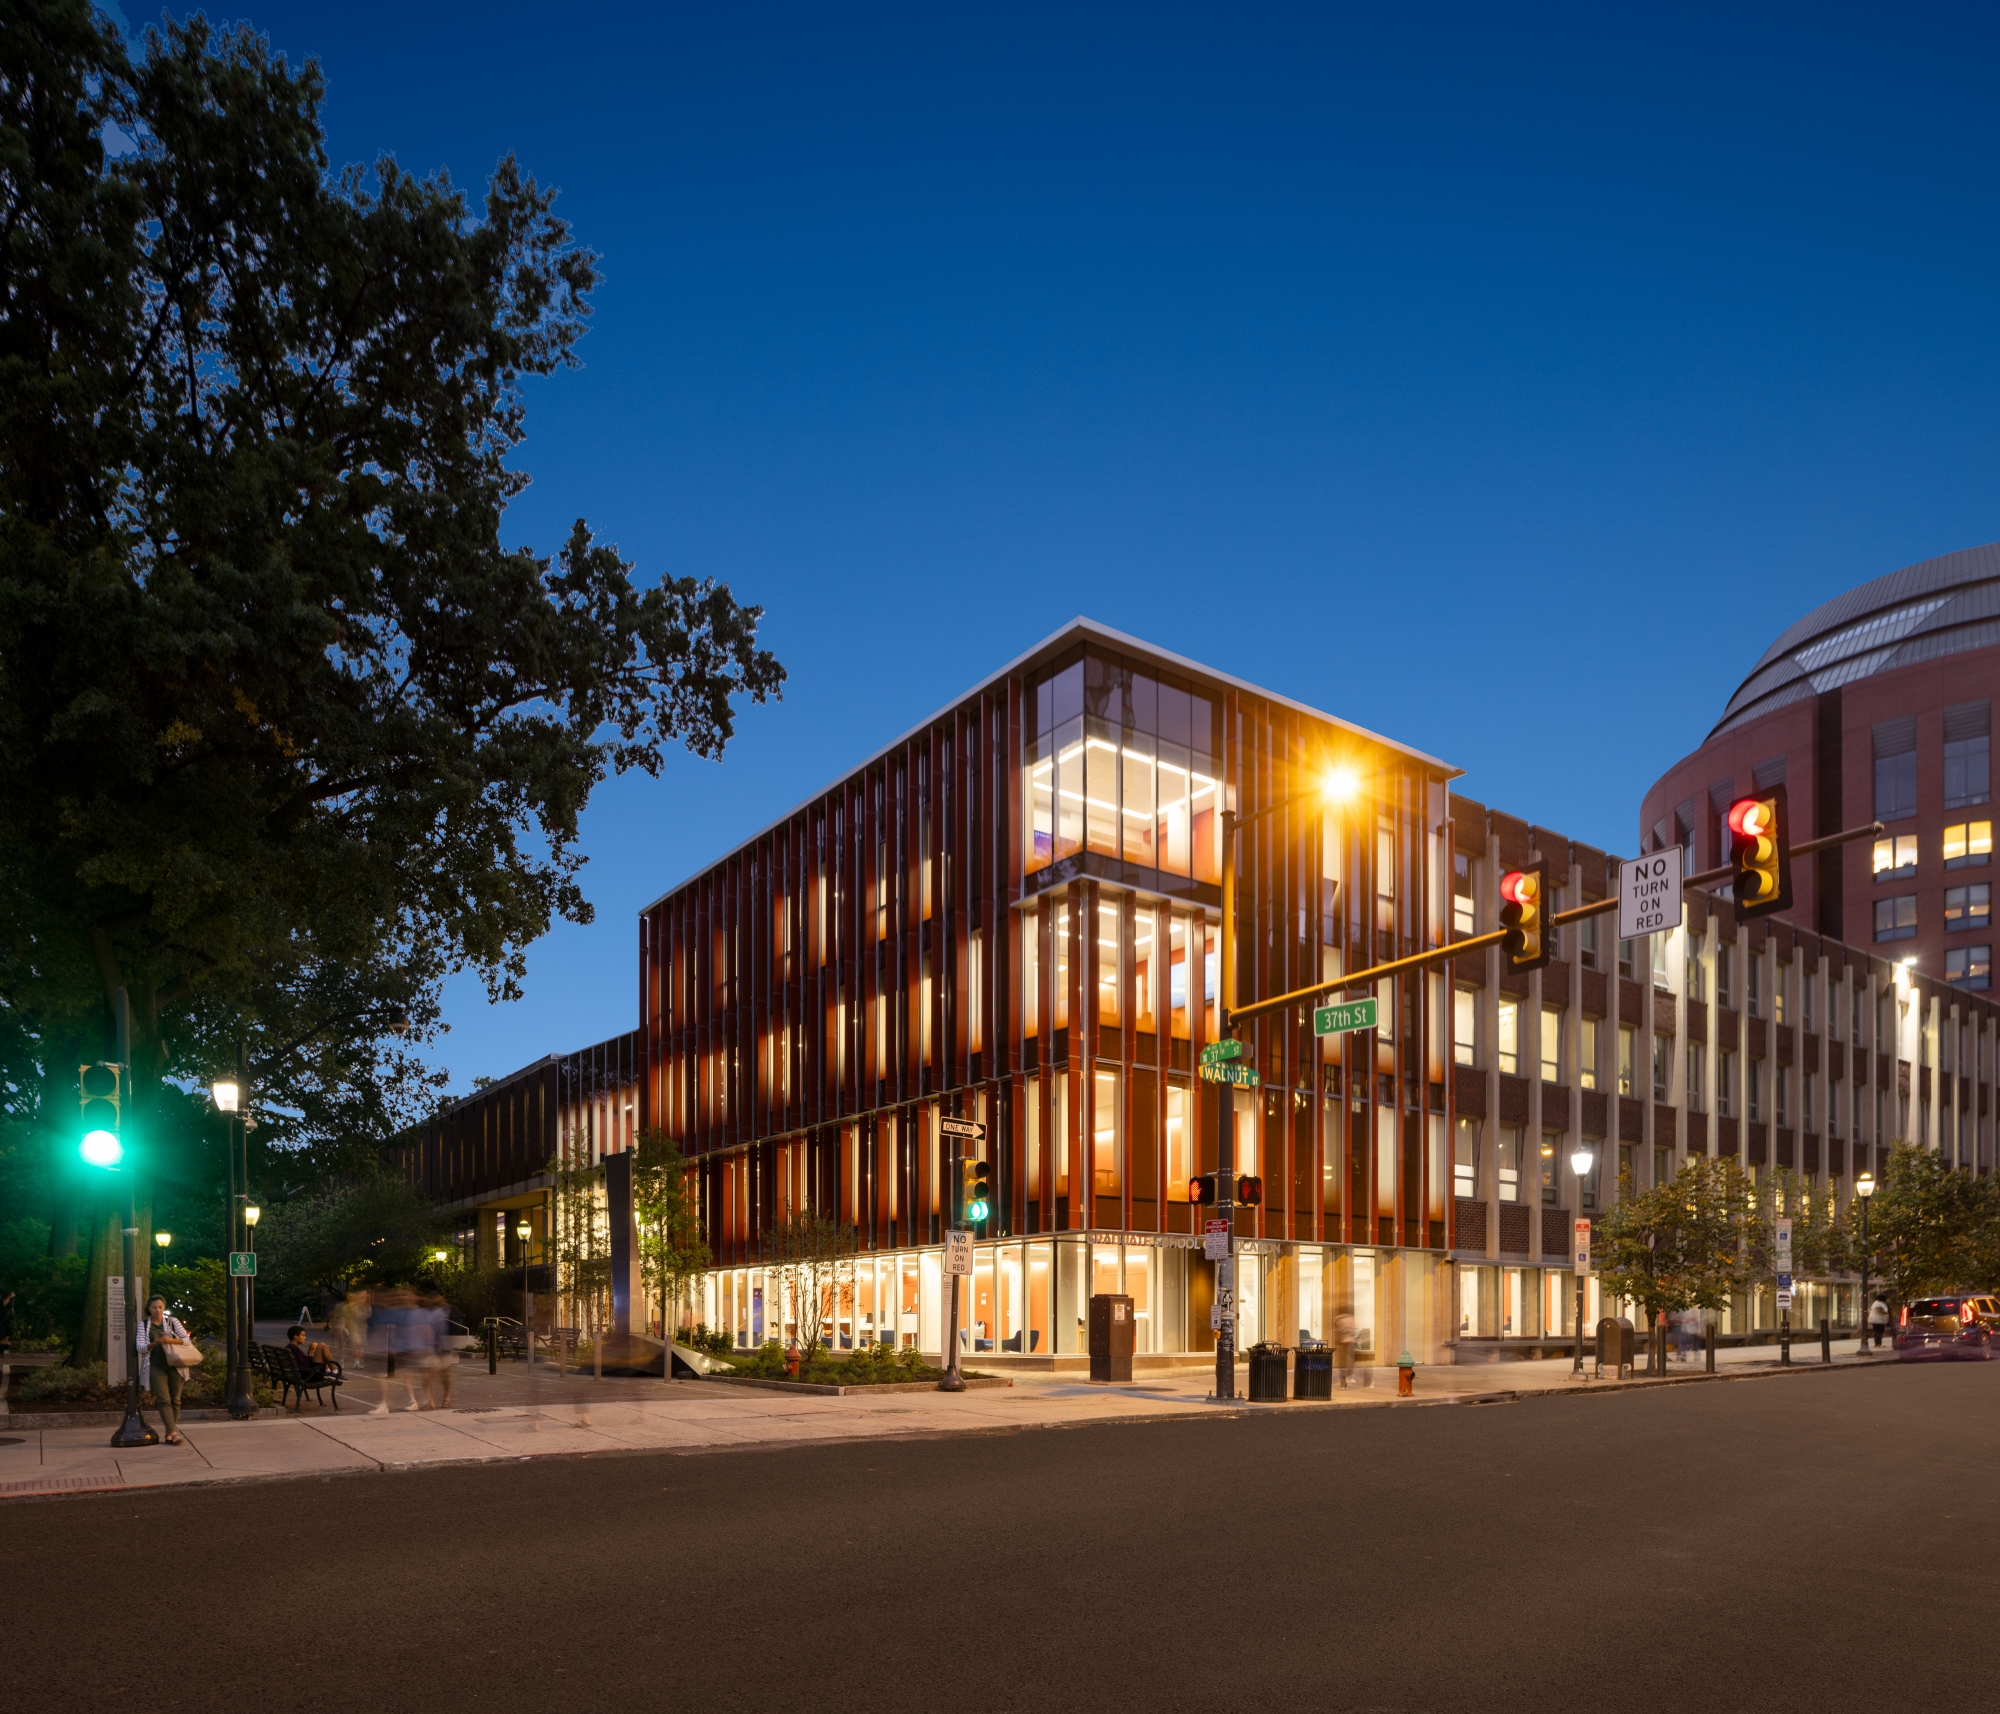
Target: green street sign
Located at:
point(1218, 1051)
point(1243, 1076)
point(1343, 1016)
point(242, 1264)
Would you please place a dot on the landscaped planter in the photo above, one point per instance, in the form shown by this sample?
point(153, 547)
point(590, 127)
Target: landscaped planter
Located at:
point(828, 1391)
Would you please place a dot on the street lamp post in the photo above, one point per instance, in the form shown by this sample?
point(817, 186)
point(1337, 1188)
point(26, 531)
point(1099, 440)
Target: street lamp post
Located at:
point(1580, 1163)
point(524, 1231)
point(251, 1215)
point(1337, 785)
point(1864, 1187)
point(228, 1091)
point(104, 1148)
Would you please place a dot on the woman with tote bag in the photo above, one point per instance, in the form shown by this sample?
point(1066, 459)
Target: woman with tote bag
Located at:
point(166, 1351)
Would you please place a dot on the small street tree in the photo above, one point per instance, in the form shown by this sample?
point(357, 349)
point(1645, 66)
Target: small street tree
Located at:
point(672, 1253)
point(1931, 1227)
point(582, 1234)
point(1820, 1239)
point(807, 1248)
point(1691, 1243)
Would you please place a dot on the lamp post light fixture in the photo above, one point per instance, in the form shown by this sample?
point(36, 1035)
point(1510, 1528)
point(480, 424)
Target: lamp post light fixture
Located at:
point(1337, 783)
point(1864, 1187)
point(228, 1094)
point(1581, 1161)
point(163, 1239)
point(524, 1231)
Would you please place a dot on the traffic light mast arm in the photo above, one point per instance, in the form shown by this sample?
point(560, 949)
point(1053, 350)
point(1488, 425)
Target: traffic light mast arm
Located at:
point(1476, 942)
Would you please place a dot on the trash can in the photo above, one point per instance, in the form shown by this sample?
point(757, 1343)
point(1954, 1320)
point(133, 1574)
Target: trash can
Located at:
point(1267, 1373)
point(1312, 1372)
point(1614, 1345)
point(1111, 1330)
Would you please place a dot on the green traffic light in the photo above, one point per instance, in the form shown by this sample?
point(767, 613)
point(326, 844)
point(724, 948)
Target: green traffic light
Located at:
point(976, 1211)
point(102, 1148)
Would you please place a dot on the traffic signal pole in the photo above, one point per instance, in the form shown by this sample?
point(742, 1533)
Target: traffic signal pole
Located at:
point(133, 1430)
point(1225, 1141)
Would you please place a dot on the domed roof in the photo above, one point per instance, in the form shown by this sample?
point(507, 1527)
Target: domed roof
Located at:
point(1939, 607)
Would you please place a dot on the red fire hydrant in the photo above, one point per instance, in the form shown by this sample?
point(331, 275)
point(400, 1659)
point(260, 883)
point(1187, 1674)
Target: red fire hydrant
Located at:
point(792, 1361)
point(1406, 1376)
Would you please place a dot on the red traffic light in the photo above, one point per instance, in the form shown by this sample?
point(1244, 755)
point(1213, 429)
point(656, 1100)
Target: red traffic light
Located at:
point(1760, 853)
point(1524, 913)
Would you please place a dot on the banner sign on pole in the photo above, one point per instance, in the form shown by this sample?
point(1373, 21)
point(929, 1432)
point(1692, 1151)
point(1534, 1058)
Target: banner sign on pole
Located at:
point(1582, 1247)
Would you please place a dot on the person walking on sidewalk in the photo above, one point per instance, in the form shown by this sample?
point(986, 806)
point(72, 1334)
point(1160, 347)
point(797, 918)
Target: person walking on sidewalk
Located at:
point(1878, 1320)
point(160, 1334)
point(1344, 1328)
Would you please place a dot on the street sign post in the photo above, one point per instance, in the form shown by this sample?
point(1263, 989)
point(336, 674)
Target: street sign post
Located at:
point(1234, 1072)
point(1218, 1051)
point(1649, 893)
point(971, 1128)
point(1215, 1240)
point(1344, 1016)
point(243, 1264)
point(1580, 1261)
point(1582, 1248)
point(1783, 1260)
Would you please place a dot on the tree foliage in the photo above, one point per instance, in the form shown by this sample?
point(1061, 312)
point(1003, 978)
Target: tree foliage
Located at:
point(1692, 1243)
point(288, 733)
point(672, 1252)
point(806, 1248)
point(1931, 1227)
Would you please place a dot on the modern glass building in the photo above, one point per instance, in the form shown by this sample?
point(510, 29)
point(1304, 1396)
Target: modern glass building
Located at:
point(1012, 914)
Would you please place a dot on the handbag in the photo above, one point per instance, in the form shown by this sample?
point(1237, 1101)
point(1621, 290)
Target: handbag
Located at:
point(181, 1353)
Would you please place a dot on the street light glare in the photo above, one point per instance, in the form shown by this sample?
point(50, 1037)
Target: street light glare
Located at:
point(163, 1239)
point(1580, 1162)
point(252, 1214)
point(102, 1148)
point(226, 1094)
point(1338, 784)
point(1864, 1186)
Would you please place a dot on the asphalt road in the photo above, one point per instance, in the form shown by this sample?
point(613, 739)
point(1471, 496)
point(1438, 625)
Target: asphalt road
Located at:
point(1820, 1542)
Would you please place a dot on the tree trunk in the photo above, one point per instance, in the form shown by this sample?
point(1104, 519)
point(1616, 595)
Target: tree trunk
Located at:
point(107, 1256)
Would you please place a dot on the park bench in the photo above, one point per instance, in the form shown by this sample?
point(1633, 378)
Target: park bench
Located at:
point(509, 1340)
point(289, 1375)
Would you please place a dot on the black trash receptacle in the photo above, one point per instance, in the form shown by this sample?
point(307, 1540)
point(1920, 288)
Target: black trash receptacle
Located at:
point(1312, 1372)
point(1267, 1373)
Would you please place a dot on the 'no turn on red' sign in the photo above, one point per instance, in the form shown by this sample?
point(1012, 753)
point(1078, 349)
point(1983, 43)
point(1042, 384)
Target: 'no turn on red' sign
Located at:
point(1649, 893)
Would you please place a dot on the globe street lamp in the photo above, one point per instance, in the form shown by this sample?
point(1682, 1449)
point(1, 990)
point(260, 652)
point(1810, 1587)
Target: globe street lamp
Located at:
point(524, 1231)
point(1864, 1187)
point(1580, 1163)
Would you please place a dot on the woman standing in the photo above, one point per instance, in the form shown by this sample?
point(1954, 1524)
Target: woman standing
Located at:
point(162, 1338)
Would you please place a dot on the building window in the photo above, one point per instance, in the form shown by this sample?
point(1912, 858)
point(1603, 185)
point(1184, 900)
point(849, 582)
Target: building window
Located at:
point(1725, 959)
point(1896, 919)
point(1509, 1046)
point(1781, 1085)
point(1694, 973)
point(1895, 747)
point(1753, 985)
point(1754, 1094)
point(1663, 1051)
point(1967, 760)
point(1586, 1053)
point(1968, 907)
point(1464, 1026)
point(1552, 1036)
point(1969, 967)
point(1968, 844)
point(1697, 1077)
point(1465, 1159)
point(1462, 918)
point(1627, 1051)
point(1508, 1168)
point(1896, 857)
point(1725, 1085)
point(1625, 959)
point(1550, 1140)
point(1781, 982)
point(1587, 938)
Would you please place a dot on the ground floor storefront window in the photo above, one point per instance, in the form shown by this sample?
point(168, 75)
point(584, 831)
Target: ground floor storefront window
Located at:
point(1030, 1298)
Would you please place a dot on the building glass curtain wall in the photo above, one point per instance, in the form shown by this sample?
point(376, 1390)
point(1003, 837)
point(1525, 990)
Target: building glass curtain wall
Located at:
point(814, 1004)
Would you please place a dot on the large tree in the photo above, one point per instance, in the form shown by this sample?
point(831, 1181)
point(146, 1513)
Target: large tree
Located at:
point(288, 732)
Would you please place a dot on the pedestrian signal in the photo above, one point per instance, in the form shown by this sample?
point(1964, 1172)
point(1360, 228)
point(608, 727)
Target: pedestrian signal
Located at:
point(1250, 1191)
point(1524, 914)
point(1202, 1189)
point(1760, 851)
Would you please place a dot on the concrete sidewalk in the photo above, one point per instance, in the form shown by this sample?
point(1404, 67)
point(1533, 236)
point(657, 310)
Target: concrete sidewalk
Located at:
point(514, 1416)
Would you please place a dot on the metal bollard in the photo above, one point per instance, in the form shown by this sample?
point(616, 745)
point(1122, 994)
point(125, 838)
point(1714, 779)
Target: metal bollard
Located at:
point(1708, 1339)
point(1785, 1341)
point(492, 1349)
point(1825, 1341)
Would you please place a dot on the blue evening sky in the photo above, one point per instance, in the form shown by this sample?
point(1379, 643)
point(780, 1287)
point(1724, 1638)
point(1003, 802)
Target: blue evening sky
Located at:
point(1503, 379)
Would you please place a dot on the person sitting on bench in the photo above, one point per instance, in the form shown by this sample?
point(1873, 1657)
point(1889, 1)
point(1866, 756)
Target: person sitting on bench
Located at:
point(315, 1361)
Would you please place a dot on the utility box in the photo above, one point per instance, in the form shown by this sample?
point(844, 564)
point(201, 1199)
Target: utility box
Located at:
point(1111, 1333)
point(1616, 1338)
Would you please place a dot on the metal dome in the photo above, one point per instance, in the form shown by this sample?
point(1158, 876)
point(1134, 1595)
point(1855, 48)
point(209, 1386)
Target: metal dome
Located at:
point(1938, 607)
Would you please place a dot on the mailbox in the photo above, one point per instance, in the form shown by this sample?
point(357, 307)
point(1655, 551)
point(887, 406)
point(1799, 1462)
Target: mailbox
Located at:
point(1111, 1332)
point(1614, 1345)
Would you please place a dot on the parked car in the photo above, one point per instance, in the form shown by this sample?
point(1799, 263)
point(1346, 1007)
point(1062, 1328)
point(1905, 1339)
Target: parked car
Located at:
point(1960, 1324)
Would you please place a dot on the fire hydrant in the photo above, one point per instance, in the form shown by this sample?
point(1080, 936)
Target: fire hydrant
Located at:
point(792, 1361)
point(1406, 1376)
